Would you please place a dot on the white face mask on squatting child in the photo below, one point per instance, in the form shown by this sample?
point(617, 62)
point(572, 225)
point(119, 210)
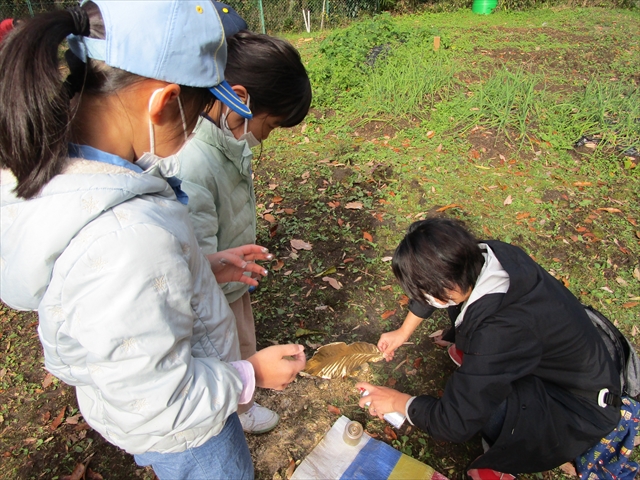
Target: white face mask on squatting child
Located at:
point(435, 303)
point(252, 141)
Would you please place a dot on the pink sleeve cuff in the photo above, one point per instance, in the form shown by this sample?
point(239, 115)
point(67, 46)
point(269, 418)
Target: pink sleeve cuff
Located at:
point(248, 377)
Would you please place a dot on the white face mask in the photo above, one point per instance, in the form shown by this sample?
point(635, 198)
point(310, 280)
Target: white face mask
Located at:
point(252, 141)
point(167, 167)
point(434, 303)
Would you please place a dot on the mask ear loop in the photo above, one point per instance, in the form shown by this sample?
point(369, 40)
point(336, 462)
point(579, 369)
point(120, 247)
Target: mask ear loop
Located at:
point(184, 120)
point(152, 137)
point(246, 120)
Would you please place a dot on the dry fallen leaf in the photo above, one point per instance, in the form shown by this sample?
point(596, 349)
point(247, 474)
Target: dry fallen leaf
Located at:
point(333, 204)
point(279, 264)
point(289, 211)
point(388, 431)
point(634, 331)
point(354, 205)
point(48, 379)
point(290, 469)
point(58, 420)
point(582, 184)
point(387, 314)
point(73, 420)
point(622, 281)
point(333, 282)
point(431, 134)
point(569, 469)
point(300, 244)
point(277, 199)
point(508, 200)
point(447, 207)
point(404, 300)
point(333, 409)
point(269, 218)
point(91, 475)
point(630, 305)
point(437, 333)
point(338, 359)
point(367, 236)
point(636, 273)
point(77, 474)
point(609, 209)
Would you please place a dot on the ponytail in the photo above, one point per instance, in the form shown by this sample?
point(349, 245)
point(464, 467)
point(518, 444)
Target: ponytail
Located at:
point(35, 105)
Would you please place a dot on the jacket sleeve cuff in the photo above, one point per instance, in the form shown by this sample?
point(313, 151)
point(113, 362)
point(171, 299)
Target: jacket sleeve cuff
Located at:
point(406, 409)
point(248, 377)
point(420, 310)
point(418, 409)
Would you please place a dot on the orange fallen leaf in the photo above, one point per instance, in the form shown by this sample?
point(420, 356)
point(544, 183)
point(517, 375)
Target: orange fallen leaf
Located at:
point(277, 199)
point(334, 204)
point(447, 207)
point(290, 469)
point(348, 260)
point(388, 431)
point(386, 287)
point(431, 134)
point(354, 205)
point(582, 184)
point(77, 474)
point(279, 264)
point(565, 281)
point(404, 300)
point(630, 305)
point(417, 362)
point(486, 231)
point(269, 218)
point(387, 314)
point(609, 209)
point(58, 420)
point(391, 382)
point(367, 236)
point(91, 475)
point(581, 229)
point(522, 215)
point(334, 410)
point(340, 222)
point(273, 231)
point(289, 211)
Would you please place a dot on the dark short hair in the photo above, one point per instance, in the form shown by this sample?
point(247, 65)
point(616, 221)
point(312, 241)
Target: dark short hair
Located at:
point(272, 72)
point(437, 254)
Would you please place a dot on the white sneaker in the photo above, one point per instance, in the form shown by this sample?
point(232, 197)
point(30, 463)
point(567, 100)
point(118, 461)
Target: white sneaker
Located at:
point(259, 419)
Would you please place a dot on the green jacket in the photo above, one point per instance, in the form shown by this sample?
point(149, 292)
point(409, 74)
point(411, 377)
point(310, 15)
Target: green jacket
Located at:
point(215, 170)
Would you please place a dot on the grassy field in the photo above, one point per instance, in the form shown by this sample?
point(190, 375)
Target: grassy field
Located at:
point(525, 126)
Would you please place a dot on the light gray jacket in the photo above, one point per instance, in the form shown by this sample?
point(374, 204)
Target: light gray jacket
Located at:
point(129, 310)
point(215, 170)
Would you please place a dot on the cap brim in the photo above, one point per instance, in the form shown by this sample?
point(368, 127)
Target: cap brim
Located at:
point(226, 95)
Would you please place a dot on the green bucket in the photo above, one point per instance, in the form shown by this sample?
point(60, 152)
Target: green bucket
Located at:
point(484, 7)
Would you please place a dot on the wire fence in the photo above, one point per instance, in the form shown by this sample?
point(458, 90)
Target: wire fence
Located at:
point(269, 16)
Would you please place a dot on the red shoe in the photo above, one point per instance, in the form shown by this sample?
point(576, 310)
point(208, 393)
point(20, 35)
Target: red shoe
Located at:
point(488, 474)
point(455, 354)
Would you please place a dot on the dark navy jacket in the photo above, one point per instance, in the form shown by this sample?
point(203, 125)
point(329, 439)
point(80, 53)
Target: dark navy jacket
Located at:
point(530, 346)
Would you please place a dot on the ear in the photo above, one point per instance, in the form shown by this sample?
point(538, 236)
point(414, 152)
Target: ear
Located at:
point(162, 107)
point(241, 92)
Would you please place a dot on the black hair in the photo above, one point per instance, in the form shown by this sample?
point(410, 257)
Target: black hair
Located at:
point(437, 254)
point(272, 72)
point(35, 99)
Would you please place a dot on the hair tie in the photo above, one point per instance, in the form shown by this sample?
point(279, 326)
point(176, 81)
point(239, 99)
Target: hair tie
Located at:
point(80, 21)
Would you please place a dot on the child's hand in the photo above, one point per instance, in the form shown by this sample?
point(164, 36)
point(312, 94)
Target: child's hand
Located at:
point(229, 265)
point(390, 341)
point(382, 400)
point(275, 371)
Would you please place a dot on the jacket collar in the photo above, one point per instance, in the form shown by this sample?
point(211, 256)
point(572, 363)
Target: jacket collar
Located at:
point(236, 151)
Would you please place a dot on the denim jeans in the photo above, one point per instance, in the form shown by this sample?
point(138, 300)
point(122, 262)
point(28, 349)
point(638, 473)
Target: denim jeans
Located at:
point(225, 456)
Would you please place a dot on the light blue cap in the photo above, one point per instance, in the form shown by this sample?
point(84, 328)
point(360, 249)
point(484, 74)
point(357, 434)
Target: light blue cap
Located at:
point(177, 41)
